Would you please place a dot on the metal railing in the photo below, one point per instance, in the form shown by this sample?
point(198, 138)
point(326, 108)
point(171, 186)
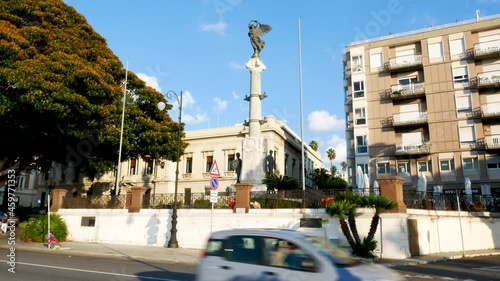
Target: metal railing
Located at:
point(406, 61)
point(448, 202)
point(407, 90)
point(483, 49)
point(96, 202)
point(412, 149)
point(488, 78)
point(490, 110)
point(406, 119)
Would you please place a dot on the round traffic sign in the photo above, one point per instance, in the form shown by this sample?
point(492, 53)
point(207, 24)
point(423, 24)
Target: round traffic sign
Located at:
point(214, 183)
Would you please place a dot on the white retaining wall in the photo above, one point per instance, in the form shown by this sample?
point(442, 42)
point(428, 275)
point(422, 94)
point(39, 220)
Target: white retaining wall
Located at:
point(150, 227)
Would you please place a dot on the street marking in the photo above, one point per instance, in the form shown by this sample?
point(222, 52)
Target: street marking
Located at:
point(93, 271)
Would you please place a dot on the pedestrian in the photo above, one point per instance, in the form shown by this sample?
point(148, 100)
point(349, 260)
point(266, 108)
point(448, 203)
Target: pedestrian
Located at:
point(5, 220)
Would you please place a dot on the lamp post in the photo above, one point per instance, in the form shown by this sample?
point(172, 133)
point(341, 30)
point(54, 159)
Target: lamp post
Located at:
point(173, 231)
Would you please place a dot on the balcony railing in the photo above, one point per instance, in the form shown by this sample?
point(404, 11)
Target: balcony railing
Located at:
point(404, 149)
point(409, 118)
point(407, 91)
point(405, 62)
point(491, 110)
point(488, 49)
point(488, 79)
point(492, 142)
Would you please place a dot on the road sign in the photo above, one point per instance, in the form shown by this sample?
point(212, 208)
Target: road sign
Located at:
point(214, 194)
point(214, 183)
point(214, 170)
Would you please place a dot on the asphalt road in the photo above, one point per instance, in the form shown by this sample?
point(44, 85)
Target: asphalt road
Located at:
point(478, 268)
point(35, 266)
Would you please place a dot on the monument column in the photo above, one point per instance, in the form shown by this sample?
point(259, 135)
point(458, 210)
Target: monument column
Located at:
point(252, 170)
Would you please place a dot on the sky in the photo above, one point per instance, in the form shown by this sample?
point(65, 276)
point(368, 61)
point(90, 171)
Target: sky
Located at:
point(200, 47)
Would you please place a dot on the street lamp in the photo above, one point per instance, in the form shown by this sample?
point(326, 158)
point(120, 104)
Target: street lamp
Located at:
point(173, 231)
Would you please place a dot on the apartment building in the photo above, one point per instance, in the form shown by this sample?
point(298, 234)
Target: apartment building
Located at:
point(426, 101)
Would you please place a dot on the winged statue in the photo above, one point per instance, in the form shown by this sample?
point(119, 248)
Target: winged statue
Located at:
point(256, 29)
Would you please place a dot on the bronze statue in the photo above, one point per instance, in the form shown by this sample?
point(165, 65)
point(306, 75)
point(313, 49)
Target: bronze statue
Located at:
point(270, 163)
point(256, 29)
point(236, 165)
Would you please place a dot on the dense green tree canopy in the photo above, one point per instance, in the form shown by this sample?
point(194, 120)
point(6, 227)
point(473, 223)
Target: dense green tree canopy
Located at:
point(61, 91)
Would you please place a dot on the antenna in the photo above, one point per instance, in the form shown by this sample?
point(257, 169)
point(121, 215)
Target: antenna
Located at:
point(478, 15)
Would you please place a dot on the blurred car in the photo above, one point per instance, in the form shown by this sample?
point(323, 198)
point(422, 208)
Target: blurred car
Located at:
point(272, 254)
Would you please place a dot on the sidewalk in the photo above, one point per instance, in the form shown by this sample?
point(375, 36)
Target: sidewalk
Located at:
point(191, 256)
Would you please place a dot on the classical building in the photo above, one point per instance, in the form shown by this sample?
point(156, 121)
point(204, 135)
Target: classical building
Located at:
point(426, 101)
point(205, 146)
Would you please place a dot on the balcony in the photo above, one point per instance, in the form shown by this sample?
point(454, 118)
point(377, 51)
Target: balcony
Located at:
point(492, 142)
point(413, 149)
point(488, 79)
point(399, 92)
point(487, 50)
point(491, 110)
point(405, 63)
point(409, 119)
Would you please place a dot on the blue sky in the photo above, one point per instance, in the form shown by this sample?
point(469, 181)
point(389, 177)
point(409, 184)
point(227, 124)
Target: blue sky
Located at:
point(200, 47)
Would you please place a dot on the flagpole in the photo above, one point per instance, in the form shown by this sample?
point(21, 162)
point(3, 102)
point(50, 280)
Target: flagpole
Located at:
point(118, 169)
point(301, 115)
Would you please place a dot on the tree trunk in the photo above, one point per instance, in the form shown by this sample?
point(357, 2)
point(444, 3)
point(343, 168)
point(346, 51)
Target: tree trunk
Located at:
point(354, 229)
point(373, 227)
point(345, 229)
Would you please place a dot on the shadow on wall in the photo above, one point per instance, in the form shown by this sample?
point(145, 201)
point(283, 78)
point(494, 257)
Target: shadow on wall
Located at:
point(152, 230)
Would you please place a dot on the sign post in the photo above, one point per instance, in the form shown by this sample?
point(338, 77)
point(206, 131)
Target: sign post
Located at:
point(214, 184)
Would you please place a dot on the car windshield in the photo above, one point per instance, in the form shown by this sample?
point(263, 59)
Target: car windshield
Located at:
point(335, 254)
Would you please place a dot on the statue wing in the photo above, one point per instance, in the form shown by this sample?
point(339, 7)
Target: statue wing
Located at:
point(263, 28)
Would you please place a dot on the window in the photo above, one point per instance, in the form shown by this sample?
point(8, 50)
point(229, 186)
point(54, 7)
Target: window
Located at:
point(357, 63)
point(383, 168)
point(425, 166)
point(360, 116)
point(20, 181)
point(149, 167)
point(463, 103)
point(215, 247)
point(467, 135)
point(88, 221)
point(436, 50)
point(404, 167)
point(230, 159)
point(189, 165)
point(244, 249)
point(281, 253)
point(460, 75)
point(346, 94)
point(376, 61)
point(470, 164)
point(457, 47)
point(210, 160)
point(133, 166)
point(447, 165)
point(364, 168)
point(362, 144)
point(407, 81)
point(359, 89)
point(494, 166)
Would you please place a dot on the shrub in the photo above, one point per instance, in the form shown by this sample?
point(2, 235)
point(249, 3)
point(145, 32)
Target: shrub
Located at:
point(202, 204)
point(35, 229)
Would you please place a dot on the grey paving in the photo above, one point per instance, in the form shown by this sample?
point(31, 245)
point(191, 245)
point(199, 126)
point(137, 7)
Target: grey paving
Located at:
point(182, 255)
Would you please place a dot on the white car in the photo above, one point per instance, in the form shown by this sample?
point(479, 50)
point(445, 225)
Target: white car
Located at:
point(287, 255)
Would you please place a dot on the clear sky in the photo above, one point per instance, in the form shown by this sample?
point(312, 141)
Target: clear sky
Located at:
point(201, 47)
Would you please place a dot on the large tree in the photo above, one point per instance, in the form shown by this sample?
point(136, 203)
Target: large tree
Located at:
point(61, 91)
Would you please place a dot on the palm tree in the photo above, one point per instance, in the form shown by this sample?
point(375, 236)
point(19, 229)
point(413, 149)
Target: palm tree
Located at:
point(333, 170)
point(343, 164)
point(349, 196)
point(379, 203)
point(331, 155)
point(341, 209)
point(279, 182)
point(314, 145)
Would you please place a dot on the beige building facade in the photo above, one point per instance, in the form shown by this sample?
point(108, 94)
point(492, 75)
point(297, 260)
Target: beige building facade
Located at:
point(426, 102)
point(205, 146)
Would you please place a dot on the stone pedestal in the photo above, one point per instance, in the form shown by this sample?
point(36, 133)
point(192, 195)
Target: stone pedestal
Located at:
point(392, 187)
point(57, 199)
point(242, 196)
point(137, 193)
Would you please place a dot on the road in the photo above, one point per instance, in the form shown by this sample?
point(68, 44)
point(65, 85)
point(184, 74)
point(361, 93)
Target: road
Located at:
point(477, 268)
point(36, 266)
